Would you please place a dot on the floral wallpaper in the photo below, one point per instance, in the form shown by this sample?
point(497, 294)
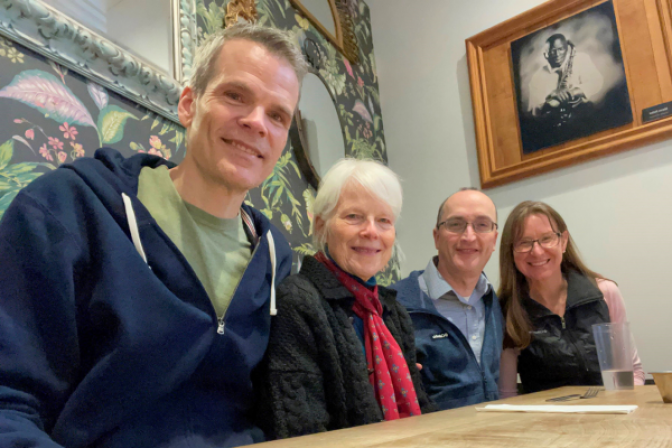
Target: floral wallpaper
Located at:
point(50, 116)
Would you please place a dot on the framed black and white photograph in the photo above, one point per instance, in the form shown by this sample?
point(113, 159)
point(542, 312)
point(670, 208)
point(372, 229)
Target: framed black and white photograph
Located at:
point(570, 80)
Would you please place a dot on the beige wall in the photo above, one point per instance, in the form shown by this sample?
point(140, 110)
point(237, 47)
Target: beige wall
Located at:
point(618, 208)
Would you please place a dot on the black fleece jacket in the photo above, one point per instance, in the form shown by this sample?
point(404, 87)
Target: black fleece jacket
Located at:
point(314, 376)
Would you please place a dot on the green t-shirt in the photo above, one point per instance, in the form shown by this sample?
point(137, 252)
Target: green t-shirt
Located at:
point(217, 249)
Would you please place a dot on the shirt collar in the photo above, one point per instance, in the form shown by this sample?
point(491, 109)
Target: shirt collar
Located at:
point(436, 286)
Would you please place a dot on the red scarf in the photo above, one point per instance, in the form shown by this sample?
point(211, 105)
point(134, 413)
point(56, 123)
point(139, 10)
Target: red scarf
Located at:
point(389, 374)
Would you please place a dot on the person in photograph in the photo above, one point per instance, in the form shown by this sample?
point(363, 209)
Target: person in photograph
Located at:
point(550, 301)
point(455, 312)
point(341, 349)
point(568, 81)
point(135, 295)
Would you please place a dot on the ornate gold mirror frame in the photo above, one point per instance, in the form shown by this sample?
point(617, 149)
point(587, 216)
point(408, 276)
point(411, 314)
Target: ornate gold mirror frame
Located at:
point(240, 10)
point(344, 40)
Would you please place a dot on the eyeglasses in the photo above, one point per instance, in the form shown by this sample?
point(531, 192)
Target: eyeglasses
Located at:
point(459, 225)
point(547, 241)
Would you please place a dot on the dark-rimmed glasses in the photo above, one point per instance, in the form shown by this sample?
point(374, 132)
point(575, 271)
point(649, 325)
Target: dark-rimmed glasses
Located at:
point(547, 242)
point(459, 225)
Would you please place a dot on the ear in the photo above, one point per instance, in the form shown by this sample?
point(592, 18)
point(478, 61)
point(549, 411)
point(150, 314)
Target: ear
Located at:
point(318, 225)
point(494, 241)
point(186, 109)
point(435, 233)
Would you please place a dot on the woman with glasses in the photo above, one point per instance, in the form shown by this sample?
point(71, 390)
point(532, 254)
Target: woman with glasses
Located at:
point(550, 300)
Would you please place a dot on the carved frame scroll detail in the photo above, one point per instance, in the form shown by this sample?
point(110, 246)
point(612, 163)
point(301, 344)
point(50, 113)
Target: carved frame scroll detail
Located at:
point(65, 41)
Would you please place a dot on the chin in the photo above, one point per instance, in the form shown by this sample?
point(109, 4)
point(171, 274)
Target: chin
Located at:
point(538, 276)
point(237, 179)
point(367, 274)
point(470, 265)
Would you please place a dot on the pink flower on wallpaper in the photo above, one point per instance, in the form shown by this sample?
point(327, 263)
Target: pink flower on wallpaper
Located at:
point(62, 156)
point(55, 143)
point(155, 152)
point(77, 149)
point(155, 142)
point(30, 134)
point(360, 82)
point(18, 121)
point(68, 131)
point(348, 67)
point(44, 152)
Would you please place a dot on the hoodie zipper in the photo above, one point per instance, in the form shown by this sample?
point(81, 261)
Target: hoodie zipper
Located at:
point(135, 237)
point(221, 325)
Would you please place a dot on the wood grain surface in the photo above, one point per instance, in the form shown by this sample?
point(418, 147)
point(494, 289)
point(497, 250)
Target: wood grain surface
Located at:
point(649, 426)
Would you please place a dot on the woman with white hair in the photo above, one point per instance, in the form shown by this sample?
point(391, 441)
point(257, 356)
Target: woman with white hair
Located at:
point(341, 350)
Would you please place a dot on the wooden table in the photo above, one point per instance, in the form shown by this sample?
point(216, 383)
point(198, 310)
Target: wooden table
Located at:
point(650, 426)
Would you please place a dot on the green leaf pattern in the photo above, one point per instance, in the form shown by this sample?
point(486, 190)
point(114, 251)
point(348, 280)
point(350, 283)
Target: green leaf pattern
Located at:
point(111, 122)
point(13, 177)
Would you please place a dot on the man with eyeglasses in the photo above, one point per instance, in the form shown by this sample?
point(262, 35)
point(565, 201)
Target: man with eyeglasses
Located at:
point(457, 319)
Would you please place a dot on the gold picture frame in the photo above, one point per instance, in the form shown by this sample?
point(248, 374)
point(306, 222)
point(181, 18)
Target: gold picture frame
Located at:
point(345, 40)
point(645, 32)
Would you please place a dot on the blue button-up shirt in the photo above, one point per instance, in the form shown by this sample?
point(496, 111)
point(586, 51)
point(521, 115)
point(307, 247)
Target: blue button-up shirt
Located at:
point(467, 314)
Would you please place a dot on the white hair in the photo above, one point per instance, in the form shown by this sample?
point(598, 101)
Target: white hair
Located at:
point(371, 175)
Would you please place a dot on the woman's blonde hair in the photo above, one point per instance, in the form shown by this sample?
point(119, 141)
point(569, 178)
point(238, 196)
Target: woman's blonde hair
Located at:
point(513, 286)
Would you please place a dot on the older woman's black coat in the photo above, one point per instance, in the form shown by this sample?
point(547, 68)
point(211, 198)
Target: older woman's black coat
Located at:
point(314, 376)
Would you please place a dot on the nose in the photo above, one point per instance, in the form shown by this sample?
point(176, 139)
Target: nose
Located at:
point(255, 121)
point(537, 249)
point(469, 234)
point(369, 229)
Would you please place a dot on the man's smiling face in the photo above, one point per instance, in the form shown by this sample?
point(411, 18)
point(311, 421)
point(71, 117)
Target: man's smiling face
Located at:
point(237, 128)
point(467, 253)
point(557, 50)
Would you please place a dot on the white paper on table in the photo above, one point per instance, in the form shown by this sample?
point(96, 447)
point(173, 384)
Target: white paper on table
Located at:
point(594, 409)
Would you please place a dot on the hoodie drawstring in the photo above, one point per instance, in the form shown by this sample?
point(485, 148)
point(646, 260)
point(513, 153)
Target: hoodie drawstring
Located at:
point(133, 226)
point(135, 237)
point(271, 252)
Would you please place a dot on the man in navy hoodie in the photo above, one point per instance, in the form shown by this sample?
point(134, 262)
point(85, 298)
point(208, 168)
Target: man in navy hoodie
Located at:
point(456, 315)
point(135, 295)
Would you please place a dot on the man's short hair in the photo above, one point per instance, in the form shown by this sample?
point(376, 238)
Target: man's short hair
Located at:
point(438, 218)
point(555, 37)
point(277, 42)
